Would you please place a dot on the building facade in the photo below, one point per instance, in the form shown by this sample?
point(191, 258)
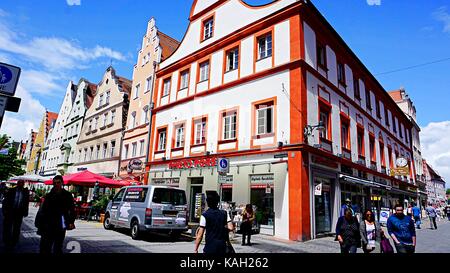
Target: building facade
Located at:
point(405, 103)
point(435, 185)
point(72, 127)
point(156, 46)
point(53, 154)
point(34, 164)
point(250, 90)
point(98, 146)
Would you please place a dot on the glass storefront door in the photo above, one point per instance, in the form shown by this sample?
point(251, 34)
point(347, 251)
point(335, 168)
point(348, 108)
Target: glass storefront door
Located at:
point(322, 205)
point(265, 215)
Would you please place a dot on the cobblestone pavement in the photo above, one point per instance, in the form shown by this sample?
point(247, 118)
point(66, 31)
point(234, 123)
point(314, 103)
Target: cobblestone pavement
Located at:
point(90, 237)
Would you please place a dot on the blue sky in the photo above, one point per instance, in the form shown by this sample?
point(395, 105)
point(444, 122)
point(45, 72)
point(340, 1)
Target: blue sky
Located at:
point(55, 42)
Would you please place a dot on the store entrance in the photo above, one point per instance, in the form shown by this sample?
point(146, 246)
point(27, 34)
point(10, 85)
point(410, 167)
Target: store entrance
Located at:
point(196, 189)
point(262, 198)
point(322, 205)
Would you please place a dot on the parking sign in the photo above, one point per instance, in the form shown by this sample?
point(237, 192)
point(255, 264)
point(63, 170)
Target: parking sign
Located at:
point(223, 165)
point(9, 77)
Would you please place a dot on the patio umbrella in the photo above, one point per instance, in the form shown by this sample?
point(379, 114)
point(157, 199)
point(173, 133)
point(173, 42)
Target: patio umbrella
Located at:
point(30, 178)
point(89, 179)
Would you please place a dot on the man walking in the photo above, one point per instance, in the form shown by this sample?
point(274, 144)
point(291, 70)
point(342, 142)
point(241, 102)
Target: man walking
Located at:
point(416, 215)
point(56, 215)
point(431, 211)
point(401, 229)
point(345, 206)
point(15, 208)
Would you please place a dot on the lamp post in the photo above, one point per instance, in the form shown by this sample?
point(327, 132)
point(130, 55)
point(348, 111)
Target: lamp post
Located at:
point(310, 128)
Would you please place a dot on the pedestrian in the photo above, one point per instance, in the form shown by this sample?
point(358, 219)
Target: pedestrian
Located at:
point(438, 212)
point(401, 229)
point(371, 232)
point(417, 216)
point(216, 224)
point(248, 217)
point(409, 211)
point(3, 189)
point(447, 209)
point(14, 208)
point(345, 206)
point(431, 211)
point(55, 216)
point(347, 232)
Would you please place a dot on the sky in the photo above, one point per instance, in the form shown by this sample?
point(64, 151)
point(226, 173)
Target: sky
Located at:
point(55, 41)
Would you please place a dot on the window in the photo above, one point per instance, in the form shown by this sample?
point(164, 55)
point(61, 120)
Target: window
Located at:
point(378, 108)
point(368, 100)
point(108, 96)
point(360, 138)
point(324, 117)
point(136, 91)
point(91, 154)
point(373, 155)
point(85, 154)
point(79, 155)
point(166, 87)
point(265, 46)
point(179, 136)
point(386, 117)
point(341, 73)
point(382, 155)
point(98, 152)
point(141, 147)
point(133, 120)
point(113, 116)
point(148, 84)
point(345, 133)
point(105, 119)
point(394, 123)
point(162, 139)
point(145, 117)
point(208, 28)
point(105, 149)
point(232, 59)
point(184, 79)
point(264, 116)
point(113, 147)
point(204, 71)
point(125, 151)
point(321, 56)
point(134, 149)
point(400, 127)
point(100, 100)
point(90, 126)
point(229, 125)
point(95, 124)
point(200, 131)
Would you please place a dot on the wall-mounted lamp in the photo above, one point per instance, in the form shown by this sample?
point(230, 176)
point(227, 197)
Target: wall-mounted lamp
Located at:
point(310, 128)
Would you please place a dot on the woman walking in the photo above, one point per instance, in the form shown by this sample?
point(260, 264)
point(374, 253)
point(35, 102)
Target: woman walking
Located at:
point(248, 216)
point(347, 232)
point(371, 232)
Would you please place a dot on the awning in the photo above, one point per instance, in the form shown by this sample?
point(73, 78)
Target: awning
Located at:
point(89, 179)
point(363, 182)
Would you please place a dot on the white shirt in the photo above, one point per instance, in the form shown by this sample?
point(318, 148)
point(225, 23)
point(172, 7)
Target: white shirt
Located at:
point(370, 229)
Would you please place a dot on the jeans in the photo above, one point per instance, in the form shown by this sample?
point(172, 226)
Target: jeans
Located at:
point(345, 249)
point(405, 249)
point(433, 222)
point(417, 221)
point(246, 228)
point(52, 240)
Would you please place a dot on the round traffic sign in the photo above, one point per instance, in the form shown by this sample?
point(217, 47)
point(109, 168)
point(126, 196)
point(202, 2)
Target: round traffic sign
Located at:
point(223, 163)
point(5, 74)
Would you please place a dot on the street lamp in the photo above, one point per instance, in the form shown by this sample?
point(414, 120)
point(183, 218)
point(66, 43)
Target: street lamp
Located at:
point(310, 128)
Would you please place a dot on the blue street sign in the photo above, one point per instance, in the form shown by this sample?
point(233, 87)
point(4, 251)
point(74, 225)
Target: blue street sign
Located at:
point(224, 165)
point(9, 77)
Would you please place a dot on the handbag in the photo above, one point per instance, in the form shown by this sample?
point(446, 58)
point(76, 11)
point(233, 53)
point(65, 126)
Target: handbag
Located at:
point(386, 246)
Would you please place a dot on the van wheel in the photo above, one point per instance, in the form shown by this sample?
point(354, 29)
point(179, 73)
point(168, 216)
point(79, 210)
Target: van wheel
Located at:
point(107, 222)
point(135, 233)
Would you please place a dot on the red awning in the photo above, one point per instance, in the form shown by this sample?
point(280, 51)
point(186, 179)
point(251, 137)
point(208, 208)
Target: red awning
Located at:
point(88, 179)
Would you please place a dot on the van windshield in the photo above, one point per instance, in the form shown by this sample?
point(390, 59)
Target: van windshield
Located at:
point(169, 196)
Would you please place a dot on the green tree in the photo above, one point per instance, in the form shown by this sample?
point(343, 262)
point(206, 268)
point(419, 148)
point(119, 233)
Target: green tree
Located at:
point(448, 191)
point(9, 164)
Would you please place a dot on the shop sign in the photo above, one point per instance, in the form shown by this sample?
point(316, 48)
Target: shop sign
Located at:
point(166, 181)
point(318, 189)
point(262, 178)
point(199, 204)
point(193, 163)
point(325, 162)
point(400, 171)
point(283, 155)
point(134, 164)
point(225, 179)
point(268, 189)
point(384, 215)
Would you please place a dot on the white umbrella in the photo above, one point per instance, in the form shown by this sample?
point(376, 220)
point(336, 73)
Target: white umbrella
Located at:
point(29, 178)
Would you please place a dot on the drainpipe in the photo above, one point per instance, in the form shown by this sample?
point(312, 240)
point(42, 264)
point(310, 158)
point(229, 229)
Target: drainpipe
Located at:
point(150, 108)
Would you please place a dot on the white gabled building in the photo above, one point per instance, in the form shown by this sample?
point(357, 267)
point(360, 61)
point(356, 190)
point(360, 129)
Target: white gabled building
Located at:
point(53, 154)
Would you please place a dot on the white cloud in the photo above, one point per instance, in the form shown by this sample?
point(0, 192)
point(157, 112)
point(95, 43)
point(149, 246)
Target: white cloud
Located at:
point(436, 147)
point(19, 125)
point(40, 82)
point(52, 52)
point(443, 16)
point(374, 2)
point(73, 2)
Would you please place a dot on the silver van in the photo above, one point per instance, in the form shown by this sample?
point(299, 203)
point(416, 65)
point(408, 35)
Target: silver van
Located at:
point(148, 208)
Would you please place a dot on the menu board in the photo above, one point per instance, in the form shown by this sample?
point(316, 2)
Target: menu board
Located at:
point(199, 204)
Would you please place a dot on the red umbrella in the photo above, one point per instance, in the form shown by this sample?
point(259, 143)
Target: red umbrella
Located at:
point(87, 178)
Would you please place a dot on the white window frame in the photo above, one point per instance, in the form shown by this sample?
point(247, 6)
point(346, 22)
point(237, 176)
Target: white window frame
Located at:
point(265, 46)
point(262, 120)
point(208, 29)
point(232, 61)
point(204, 71)
point(148, 84)
point(184, 79)
point(112, 148)
point(133, 149)
point(200, 132)
point(179, 136)
point(141, 147)
point(230, 133)
point(108, 96)
point(324, 133)
point(100, 100)
point(162, 139)
point(136, 91)
point(113, 116)
point(105, 150)
point(166, 87)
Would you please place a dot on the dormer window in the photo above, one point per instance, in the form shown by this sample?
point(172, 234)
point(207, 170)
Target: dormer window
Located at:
point(208, 28)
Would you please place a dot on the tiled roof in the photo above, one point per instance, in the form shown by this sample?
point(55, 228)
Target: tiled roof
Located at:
point(396, 95)
point(168, 44)
point(51, 116)
point(124, 84)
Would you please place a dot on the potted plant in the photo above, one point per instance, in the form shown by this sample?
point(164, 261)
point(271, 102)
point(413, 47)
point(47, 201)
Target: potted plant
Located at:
point(100, 206)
